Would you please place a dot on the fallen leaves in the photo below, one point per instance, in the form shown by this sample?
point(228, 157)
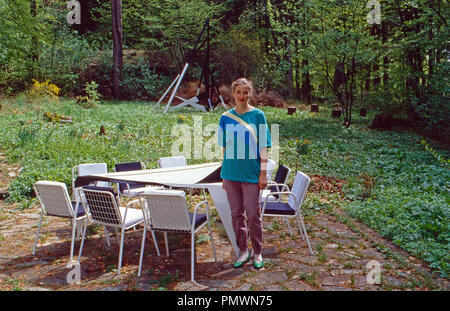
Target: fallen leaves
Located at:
point(320, 183)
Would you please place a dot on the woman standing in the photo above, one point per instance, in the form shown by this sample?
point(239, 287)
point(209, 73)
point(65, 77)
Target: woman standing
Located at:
point(244, 135)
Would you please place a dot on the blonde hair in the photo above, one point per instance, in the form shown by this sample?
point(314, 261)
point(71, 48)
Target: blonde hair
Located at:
point(244, 82)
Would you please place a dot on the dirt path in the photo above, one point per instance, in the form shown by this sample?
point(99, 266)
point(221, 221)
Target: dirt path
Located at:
point(343, 248)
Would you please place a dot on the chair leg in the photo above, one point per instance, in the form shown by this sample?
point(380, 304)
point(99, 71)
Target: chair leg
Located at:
point(300, 230)
point(82, 240)
point(37, 234)
point(167, 243)
point(142, 249)
point(204, 194)
point(212, 241)
point(79, 230)
point(192, 256)
point(72, 243)
point(107, 236)
point(155, 243)
point(122, 233)
point(190, 197)
point(288, 225)
point(306, 233)
point(117, 233)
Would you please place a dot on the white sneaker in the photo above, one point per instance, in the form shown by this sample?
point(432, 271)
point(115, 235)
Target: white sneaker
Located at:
point(258, 262)
point(244, 256)
point(258, 258)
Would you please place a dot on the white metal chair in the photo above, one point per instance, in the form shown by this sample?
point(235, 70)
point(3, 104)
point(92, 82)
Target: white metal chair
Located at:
point(132, 190)
point(277, 184)
point(166, 211)
point(55, 201)
point(88, 169)
point(176, 161)
point(102, 207)
point(171, 161)
point(292, 208)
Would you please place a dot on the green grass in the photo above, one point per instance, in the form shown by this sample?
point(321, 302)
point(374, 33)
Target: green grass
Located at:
point(408, 203)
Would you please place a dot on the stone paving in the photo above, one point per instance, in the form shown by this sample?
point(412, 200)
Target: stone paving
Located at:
point(342, 252)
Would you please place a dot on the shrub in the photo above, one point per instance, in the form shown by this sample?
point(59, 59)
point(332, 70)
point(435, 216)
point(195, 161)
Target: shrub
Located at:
point(238, 54)
point(92, 96)
point(272, 76)
point(43, 89)
point(141, 81)
point(269, 98)
point(65, 59)
point(99, 71)
point(91, 91)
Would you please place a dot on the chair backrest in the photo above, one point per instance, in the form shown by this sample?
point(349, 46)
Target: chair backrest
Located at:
point(54, 198)
point(281, 177)
point(299, 188)
point(171, 161)
point(129, 166)
point(88, 169)
point(166, 210)
point(101, 205)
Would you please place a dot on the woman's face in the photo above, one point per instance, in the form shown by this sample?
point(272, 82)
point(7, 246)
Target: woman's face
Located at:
point(241, 94)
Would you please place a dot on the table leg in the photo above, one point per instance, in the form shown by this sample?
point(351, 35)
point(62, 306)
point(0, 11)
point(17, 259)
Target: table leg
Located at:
point(220, 199)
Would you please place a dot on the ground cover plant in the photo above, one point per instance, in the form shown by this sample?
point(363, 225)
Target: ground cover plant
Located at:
point(391, 181)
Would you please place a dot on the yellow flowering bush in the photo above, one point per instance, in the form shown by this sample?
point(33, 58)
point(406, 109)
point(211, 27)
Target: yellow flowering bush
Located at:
point(43, 89)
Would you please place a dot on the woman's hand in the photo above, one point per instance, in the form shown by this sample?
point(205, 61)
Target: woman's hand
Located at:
point(262, 181)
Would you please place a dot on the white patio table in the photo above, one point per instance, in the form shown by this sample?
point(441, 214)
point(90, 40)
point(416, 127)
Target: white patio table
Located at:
point(198, 176)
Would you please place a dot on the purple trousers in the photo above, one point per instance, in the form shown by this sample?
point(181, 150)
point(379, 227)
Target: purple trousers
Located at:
point(244, 201)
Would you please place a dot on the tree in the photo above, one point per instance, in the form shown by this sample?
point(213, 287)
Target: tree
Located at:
point(417, 34)
point(116, 11)
point(342, 46)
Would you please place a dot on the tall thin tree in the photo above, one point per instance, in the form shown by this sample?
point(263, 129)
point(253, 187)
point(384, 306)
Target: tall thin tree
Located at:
point(116, 10)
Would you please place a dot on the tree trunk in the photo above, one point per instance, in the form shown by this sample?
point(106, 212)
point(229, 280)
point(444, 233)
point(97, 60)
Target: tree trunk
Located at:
point(34, 41)
point(376, 78)
point(367, 80)
point(376, 67)
point(384, 35)
point(266, 27)
point(289, 71)
point(306, 81)
point(116, 9)
point(297, 73)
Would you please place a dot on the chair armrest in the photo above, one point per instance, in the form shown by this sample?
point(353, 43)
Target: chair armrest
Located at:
point(195, 212)
point(73, 182)
point(200, 204)
point(132, 202)
point(144, 207)
point(73, 171)
point(274, 184)
point(127, 206)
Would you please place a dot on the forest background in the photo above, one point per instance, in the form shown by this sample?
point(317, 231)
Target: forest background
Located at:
point(336, 52)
